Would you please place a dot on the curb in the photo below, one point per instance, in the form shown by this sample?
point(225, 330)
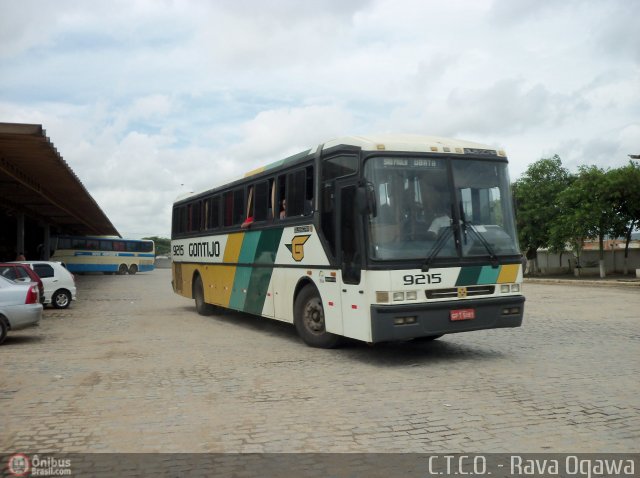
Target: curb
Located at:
point(601, 283)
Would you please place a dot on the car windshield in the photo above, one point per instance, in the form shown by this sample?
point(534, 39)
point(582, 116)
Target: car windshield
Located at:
point(420, 213)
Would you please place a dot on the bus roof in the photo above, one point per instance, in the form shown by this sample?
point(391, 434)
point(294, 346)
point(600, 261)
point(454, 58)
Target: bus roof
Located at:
point(389, 142)
point(413, 143)
point(410, 143)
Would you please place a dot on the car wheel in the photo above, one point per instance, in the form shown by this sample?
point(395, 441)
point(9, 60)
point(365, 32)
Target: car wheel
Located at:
point(198, 294)
point(133, 269)
point(122, 270)
point(309, 320)
point(61, 299)
point(3, 329)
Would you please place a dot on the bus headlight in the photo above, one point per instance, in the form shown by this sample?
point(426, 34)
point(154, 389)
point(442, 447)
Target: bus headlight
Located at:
point(398, 296)
point(412, 295)
point(382, 297)
point(504, 288)
point(515, 287)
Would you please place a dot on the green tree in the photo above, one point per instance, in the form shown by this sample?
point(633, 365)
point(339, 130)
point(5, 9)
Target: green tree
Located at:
point(163, 245)
point(536, 193)
point(588, 210)
point(625, 182)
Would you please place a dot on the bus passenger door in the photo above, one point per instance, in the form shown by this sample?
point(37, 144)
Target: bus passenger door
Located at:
point(350, 257)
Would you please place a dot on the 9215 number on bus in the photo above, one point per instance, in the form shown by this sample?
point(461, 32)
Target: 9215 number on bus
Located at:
point(422, 279)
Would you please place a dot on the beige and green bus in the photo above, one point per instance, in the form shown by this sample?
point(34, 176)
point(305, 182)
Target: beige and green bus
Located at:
point(377, 238)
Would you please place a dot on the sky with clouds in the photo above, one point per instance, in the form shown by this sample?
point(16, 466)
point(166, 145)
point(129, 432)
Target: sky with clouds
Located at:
point(149, 99)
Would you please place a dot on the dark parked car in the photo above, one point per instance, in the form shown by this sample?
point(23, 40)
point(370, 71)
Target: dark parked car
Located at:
point(21, 273)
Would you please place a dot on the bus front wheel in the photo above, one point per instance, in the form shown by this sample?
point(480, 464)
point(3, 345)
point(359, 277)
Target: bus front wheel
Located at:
point(122, 270)
point(309, 320)
point(198, 294)
point(133, 269)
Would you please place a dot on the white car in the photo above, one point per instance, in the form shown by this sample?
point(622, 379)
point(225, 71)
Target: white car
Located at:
point(59, 283)
point(20, 306)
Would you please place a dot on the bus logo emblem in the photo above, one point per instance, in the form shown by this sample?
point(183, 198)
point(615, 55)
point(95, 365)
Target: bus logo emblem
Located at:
point(297, 247)
point(462, 292)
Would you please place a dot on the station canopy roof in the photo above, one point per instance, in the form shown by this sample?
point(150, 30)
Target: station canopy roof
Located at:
point(35, 180)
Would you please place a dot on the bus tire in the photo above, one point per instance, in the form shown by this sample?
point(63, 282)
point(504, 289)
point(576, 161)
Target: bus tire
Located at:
point(198, 294)
point(309, 320)
point(122, 269)
point(61, 299)
point(133, 269)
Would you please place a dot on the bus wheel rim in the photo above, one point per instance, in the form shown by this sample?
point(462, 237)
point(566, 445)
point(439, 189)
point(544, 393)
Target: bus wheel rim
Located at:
point(314, 316)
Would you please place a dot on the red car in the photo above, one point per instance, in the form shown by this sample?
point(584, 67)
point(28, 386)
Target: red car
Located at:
point(21, 273)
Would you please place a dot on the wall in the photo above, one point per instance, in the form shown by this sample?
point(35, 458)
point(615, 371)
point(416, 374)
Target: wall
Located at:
point(549, 263)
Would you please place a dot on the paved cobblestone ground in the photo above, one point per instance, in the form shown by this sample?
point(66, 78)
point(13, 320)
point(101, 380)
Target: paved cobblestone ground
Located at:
point(131, 367)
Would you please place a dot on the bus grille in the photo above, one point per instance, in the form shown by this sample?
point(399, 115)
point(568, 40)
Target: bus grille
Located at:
point(472, 291)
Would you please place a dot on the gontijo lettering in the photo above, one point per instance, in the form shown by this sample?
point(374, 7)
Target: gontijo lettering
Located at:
point(204, 249)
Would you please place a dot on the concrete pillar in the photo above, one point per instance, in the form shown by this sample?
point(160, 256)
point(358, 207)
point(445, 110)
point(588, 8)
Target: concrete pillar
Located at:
point(19, 233)
point(46, 246)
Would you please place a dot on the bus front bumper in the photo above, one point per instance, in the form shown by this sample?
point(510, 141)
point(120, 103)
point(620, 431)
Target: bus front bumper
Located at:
point(402, 322)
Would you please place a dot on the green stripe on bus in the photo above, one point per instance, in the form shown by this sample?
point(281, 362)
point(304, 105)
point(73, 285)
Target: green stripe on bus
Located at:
point(249, 246)
point(268, 246)
point(250, 285)
point(243, 274)
point(261, 276)
point(489, 275)
point(240, 287)
point(468, 276)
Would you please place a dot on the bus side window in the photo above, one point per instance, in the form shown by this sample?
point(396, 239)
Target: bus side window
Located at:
point(296, 193)
point(228, 208)
point(308, 194)
point(238, 207)
point(194, 217)
point(214, 212)
point(281, 195)
point(180, 220)
point(205, 214)
point(261, 201)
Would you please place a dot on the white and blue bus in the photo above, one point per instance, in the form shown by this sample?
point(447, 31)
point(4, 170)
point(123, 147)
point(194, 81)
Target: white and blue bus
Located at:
point(377, 238)
point(104, 254)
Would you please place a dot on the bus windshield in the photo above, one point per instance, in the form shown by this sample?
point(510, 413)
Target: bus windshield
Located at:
point(438, 208)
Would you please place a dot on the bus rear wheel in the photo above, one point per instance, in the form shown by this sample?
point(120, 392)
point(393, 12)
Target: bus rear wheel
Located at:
point(133, 269)
point(198, 294)
point(309, 320)
point(122, 269)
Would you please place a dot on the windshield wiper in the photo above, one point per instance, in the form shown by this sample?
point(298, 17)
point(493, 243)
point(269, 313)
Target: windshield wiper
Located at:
point(437, 247)
point(468, 224)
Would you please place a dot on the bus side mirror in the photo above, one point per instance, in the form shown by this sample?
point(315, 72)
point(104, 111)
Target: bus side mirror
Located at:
point(366, 200)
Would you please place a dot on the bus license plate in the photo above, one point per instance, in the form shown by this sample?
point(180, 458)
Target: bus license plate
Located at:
point(462, 314)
